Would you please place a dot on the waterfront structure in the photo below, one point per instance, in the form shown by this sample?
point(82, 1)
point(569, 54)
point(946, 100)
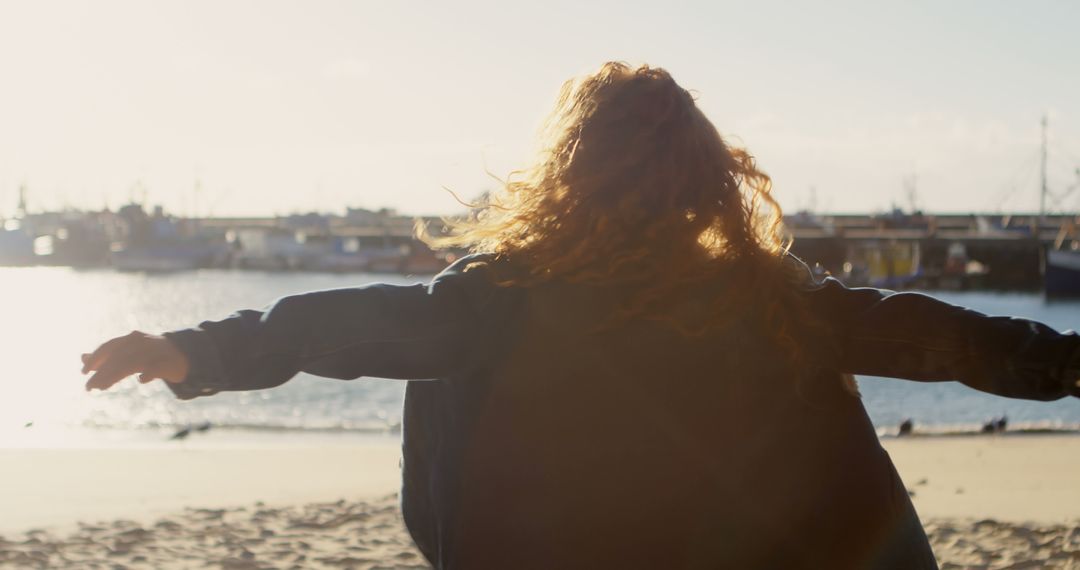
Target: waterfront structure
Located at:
point(999, 251)
point(893, 250)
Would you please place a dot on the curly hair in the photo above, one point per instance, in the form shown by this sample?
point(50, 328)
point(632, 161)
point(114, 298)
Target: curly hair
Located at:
point(635, 185)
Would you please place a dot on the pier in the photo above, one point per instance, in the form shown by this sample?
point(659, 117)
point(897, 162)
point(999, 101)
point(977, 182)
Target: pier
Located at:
point(896, 250)
point(952, 251)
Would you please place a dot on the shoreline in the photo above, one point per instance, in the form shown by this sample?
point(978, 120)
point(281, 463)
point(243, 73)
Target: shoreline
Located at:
point(223, 435)
point(243, 503)
point(951, 431)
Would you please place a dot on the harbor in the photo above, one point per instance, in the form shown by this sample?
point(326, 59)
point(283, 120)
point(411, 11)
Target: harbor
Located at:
point(133, 238)
point(999, 252)
point(896, 250)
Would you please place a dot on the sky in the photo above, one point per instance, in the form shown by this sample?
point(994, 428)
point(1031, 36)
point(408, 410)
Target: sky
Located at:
point(252, 108)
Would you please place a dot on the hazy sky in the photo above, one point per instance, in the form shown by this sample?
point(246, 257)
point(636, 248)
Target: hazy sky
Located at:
point(309, 105)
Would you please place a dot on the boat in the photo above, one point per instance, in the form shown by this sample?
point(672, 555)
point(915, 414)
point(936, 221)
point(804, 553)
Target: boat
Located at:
point(1061, 263)
point(16, 245)
point(1061, 273)
point(16, 239)
point(164, 257)
point(159, 243)
point(884, 264)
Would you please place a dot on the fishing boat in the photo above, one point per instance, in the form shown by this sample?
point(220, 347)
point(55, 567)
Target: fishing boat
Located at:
point(1061, 264)
point(160, 243)
point(17, 240)
point(164, 257)
point(16, 245)
point(889, 265)
point(1061, 277)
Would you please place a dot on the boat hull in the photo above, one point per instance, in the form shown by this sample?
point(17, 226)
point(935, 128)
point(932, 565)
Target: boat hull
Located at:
point(163, 258)
point(1062, 276)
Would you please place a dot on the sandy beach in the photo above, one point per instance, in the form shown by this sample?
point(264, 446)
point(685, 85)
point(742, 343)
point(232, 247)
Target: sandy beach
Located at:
point(1005, 501)
point(986, 501)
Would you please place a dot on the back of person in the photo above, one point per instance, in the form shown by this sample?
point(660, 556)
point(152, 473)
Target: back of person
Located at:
point(640, 446)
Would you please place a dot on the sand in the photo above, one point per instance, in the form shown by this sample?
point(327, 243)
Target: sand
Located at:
point(358, 534)
point(987, 502)
point(55, 488)
point(1009, 477)
point(1005, 501)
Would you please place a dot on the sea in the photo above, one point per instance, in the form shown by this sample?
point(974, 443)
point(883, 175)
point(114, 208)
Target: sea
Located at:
point(50, 316)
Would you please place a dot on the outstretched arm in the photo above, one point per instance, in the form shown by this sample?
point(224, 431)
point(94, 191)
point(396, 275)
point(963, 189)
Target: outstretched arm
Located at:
point(406, 332)
point(914, 336)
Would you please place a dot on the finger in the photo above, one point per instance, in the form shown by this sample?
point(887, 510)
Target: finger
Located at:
point(93, 360)
point(107, 376)
point(119, 365)
point(146, 377)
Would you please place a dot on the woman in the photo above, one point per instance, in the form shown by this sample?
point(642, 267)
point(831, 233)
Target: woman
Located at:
point(629, 371)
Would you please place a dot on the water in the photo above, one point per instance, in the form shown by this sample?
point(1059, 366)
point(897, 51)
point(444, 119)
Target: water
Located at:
point(52, 315)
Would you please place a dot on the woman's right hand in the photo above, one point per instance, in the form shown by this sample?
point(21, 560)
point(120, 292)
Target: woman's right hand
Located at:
point(150, 356)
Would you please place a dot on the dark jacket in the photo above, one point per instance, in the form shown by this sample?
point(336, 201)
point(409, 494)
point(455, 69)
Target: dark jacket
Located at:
point(532, 440)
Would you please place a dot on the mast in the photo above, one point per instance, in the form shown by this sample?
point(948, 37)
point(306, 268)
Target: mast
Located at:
point(21, 209)
point(1043, 191)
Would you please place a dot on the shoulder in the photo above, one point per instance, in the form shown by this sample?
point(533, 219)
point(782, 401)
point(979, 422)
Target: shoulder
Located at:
point(808, 280)
point(476, 278)
point(474, 267)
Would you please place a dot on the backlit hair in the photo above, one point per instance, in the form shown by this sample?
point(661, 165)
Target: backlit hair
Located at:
point(634, 185)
